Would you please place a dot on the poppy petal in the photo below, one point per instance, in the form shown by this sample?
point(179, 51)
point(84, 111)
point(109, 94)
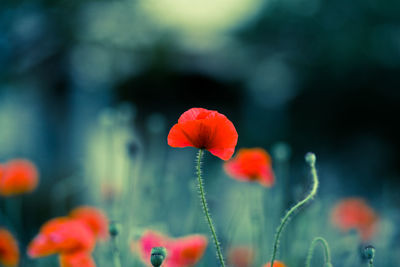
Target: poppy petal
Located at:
point(195, 114)
point(251, 164)
point(61, 235)
point(77, 259)
point(92, 217)
point(187, 251)
point(9, 252)
point(276, 264)
point(179, 137)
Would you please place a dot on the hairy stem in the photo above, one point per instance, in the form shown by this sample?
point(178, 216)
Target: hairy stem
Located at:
point(205, 207)
point(324, 244)
point(310, 158)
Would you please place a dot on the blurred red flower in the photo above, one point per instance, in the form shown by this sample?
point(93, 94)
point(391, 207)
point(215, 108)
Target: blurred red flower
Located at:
point(251, 164)
point(206, 129)
point(242, 256)
point(181, 252)
point(9, 252)
point(61, 235)
point(94, 218)
point(76, 259)
point(17, 177)
point(187, 251)
point(354, 213)
point(276, 264)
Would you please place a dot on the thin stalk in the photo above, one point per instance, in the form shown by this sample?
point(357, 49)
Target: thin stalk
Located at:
point(205, 207)
point(115, 252)
point(324, 243)
point(369, 253)
point(310, 158)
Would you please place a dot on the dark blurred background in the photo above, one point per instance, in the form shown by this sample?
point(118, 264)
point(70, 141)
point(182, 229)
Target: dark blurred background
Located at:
point(320, 76)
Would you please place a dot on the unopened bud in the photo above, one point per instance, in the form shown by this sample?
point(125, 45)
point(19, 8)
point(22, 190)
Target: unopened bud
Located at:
point(311, 158)
point(113, 229)
point(369, 252)
point(158, 255)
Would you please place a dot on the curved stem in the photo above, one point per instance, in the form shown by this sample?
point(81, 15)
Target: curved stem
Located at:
point(205, 207)
point(310, 158)
point(324, 244)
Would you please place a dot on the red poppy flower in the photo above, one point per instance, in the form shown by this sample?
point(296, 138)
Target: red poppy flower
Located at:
point(276, 264)
point(94, 218)
point(251, 164)
point(181, 252)
point(9, 252)
point(206, 129)
point(77, 259)
point(354, 213)
point(61, 235)
point(187, 251)
point(17, 177)
point(241, 256)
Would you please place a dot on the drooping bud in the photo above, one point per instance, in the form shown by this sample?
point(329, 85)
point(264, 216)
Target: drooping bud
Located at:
point(158, 255)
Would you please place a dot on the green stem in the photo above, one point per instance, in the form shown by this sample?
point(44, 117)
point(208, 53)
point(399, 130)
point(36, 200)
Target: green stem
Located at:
point(324, 244)
point(115, 252)
point(310, 158)
point(205, 207)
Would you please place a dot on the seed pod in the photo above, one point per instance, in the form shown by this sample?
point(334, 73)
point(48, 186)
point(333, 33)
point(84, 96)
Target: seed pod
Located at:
point(158, 255)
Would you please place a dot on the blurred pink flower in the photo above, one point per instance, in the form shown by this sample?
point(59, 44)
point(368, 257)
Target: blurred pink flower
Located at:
point(181, 252)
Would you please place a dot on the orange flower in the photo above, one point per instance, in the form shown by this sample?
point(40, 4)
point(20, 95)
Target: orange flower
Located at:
point(181, 252)
point(92, 217)
point(61, 235)
point(354, 213)
point(9, 252)
point(241, 256)
point(251, 164)
point(77, 259)
point(276, 264)
point(206, 129)
point(17, 177)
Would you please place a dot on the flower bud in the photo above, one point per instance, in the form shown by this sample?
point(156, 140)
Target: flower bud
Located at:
point(158, 255)
point(310, 158)
point(113, 229)
point(369, 252)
